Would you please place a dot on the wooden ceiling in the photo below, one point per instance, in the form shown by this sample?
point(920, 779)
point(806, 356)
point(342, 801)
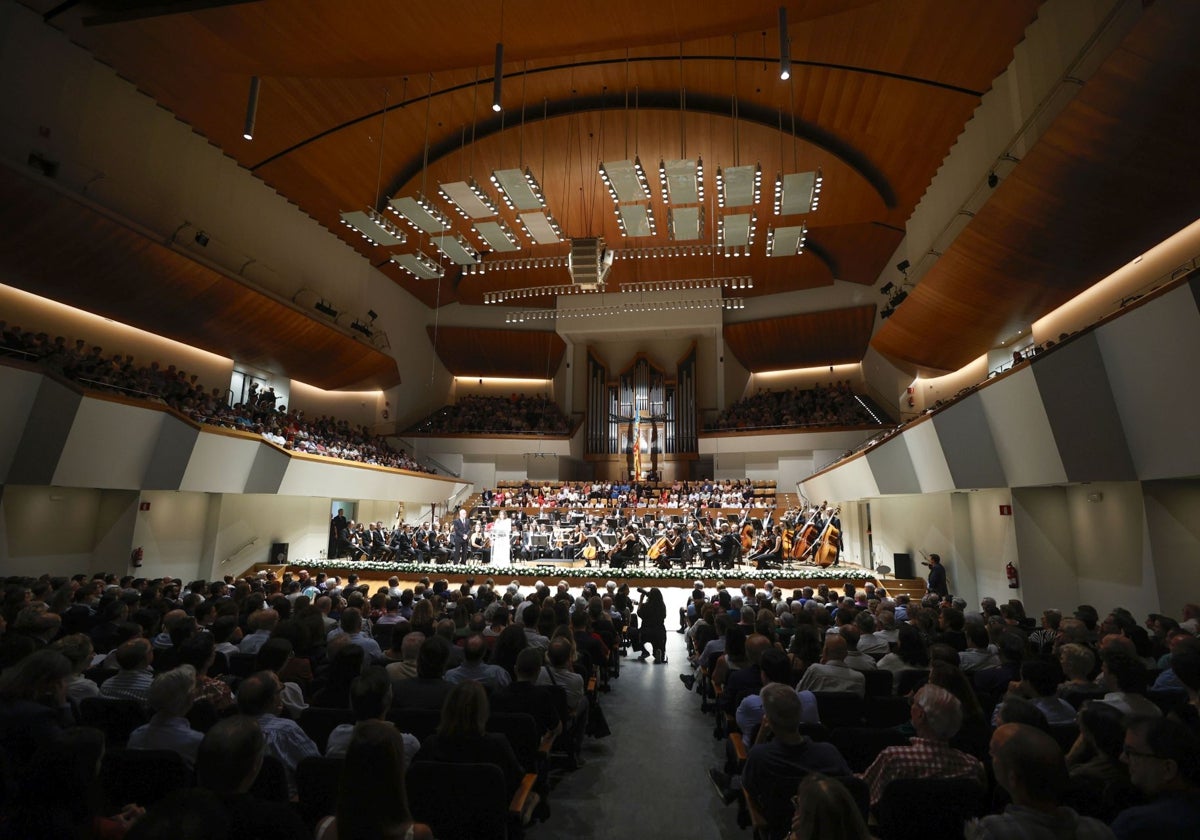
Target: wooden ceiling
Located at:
point(513, 354)
point(112, 270)
point(813, 339)
point(1113, 176)
point(880, 91)
point(876, 99)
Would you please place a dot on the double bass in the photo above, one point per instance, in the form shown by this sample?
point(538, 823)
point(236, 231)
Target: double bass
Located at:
point(828, 544)
point(806, 537)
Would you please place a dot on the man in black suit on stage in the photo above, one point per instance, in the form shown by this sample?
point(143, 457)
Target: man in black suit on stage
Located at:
point(460, 537)
point(339, 528)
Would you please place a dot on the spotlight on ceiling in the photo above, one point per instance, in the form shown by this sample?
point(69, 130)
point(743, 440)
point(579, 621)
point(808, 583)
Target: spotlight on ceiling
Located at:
point(251, 109)
point(785, 46)
point(201, 239)
point(993, 180)
point(372, 314)
point(324, 308)
point(902, 266)
point(886, 287)
point(498, 78)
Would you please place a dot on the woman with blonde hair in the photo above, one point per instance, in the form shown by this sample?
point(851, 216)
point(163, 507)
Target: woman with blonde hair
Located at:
point(825, 810)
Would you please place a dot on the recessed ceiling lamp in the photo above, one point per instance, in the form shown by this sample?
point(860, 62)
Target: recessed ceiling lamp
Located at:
point(251, 109)
point(419, 265)
point(786, 241)
point(785, 46)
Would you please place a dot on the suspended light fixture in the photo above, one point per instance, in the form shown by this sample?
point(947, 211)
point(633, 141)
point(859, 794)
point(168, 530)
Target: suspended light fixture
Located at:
point(785, 46)
point(251, 109)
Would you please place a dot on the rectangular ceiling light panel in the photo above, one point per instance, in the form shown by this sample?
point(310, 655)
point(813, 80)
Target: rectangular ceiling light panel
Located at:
point(682, 181)
point(736, 230)
point(797, 192)
point(419, 265)
point(519, 189)
point(469, 199)
point(456, 249)
point(786, 241)
point(687, 223)
point(374, 228)
point(541, 228)
point(625, 180)
point(635, 219)
point(497, 236)
point(421, 213)
point(739, 186)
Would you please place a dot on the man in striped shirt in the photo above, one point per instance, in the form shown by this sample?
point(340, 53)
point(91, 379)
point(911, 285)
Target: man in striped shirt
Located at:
point(133, 681)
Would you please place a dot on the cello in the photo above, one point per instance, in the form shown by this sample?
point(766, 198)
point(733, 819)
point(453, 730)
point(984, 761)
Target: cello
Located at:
point(806, 537)
point(828, 544)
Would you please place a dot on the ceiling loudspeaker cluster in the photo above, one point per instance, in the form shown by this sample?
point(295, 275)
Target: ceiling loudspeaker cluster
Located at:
point(589, 262)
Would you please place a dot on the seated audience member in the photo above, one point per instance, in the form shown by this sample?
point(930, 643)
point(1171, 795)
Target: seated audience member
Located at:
point(33, 703)
point(994, 681)
point(474, 668)
point(57, 794)
point(1029, 766)
point(1039, 684)
point(526, 696)
point(909, 654)
point(405, 667)
point(825, 809)
point(775, 668)
point(133, 680)
point(868, 643)
point(78, 649)
point(1125, 677)
point(1078, 662)
point(832, 673)
point(200, 652)
point(274, 657)
point(1164, 764)
point(855, 658)
point(260, 696)
point(226, 636)
point(351, 625)
point(377, 760)
point(260, 623)
point(1099, 778)
point(227, 764)
point(371, 699)
point(462, 736)
point(171, 696)
point(784, 753)
point(346, 661)
point(978, 654)
point(427, 690)
point(936, 716)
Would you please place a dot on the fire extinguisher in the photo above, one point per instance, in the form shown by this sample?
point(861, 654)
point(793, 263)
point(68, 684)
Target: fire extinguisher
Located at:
point(1014, 580)
point(136, 557)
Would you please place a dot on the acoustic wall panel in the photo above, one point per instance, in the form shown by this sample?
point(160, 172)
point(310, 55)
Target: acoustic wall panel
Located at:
point(47, 427)
point(20, 388)
point(1021, 431)
point(109, 446)
point(967, 443)
point(928, 459)
point(1153, 382)
point(172, 452)
point(1079, 403)
point(220, 464)
point(892, 467)
point(266, 475)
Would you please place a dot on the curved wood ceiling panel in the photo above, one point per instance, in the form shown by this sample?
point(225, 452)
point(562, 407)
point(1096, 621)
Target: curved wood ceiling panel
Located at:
point(1102, 186)
point(876, 100)
point(515, 354)
point(107, 268)
point(814, 339)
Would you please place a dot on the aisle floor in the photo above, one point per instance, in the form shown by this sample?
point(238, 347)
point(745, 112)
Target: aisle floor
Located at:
point(649, 778)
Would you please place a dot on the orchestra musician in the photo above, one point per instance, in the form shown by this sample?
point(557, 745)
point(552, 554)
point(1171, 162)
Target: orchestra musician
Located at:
point(723, 551)
point(690, 544)
point(770, 549)
point(626, 549)
point(674, 548)
point(433, 542)
point(480, 544)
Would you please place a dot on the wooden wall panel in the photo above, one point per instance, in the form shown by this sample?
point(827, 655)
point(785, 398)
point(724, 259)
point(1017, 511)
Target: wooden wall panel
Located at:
point(834, 337)
point(517, 354)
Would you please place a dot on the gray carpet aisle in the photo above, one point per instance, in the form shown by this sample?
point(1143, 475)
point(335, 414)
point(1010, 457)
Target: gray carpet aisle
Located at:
point(649, 778)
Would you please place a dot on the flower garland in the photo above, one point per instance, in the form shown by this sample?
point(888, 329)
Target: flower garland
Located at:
point(585, 572)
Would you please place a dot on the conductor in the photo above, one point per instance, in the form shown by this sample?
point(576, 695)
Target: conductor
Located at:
point(460, 537)
point(937, 576)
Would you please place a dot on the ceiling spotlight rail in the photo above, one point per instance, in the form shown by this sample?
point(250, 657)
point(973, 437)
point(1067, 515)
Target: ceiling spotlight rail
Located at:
point(623, 308)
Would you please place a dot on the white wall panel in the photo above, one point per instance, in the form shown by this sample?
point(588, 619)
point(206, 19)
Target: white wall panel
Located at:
point(110, 445)
point(928, 460)
point(1021, 431)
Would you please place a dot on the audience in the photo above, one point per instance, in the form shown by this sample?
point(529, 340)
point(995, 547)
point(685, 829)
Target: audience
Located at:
point(170, 697)
point(833, 405)
point(516, 414)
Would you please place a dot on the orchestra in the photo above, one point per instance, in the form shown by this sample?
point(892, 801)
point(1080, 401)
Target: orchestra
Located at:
point(570, 529)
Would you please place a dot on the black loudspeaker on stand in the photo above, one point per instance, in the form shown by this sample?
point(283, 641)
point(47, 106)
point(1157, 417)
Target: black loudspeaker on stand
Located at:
point(902, 566)
point(279, 553)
